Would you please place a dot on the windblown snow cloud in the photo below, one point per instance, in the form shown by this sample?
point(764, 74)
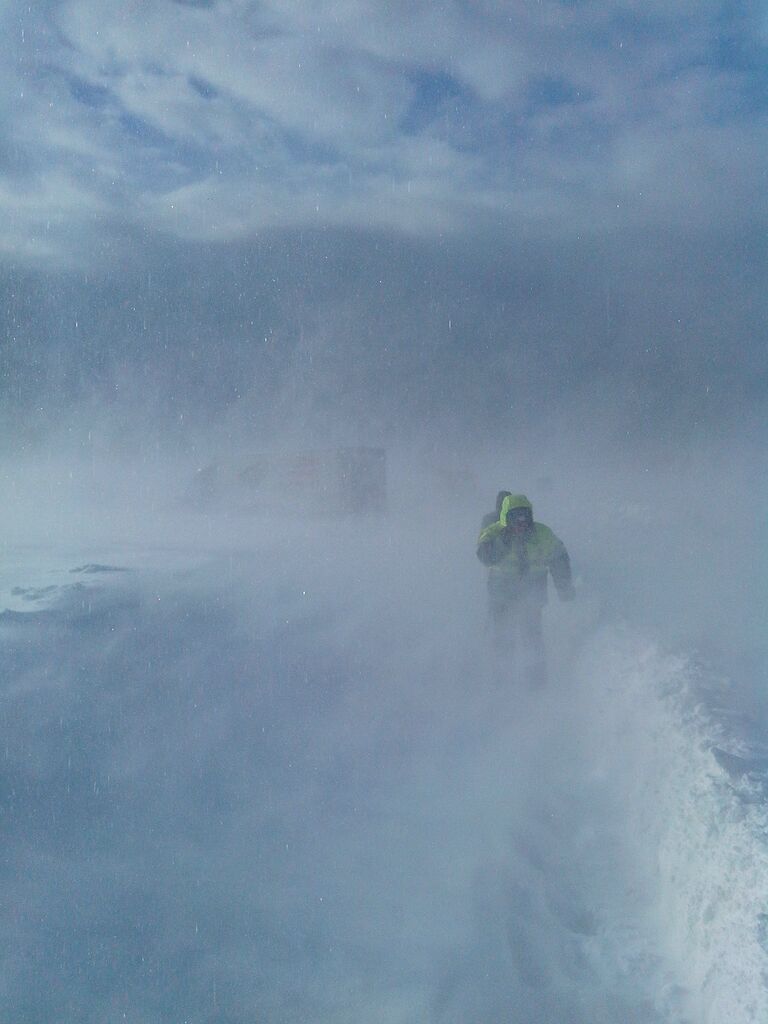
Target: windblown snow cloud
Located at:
point(214, 121)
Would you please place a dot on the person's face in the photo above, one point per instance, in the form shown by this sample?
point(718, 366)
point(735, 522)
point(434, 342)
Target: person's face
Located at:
point(518, 520)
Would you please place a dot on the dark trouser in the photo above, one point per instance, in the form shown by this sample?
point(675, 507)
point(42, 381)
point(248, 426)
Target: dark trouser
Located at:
point(518, 637)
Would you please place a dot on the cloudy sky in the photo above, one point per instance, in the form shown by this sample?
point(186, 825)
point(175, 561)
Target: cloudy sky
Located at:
point(403, 207)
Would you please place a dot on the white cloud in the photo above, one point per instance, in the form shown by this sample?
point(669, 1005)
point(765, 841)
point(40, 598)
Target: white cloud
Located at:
point(304, 86)
point(40, 220)
point(418, 197)
point(216, 121)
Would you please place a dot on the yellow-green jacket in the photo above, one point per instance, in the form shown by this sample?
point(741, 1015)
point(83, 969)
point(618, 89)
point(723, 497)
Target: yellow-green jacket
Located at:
point(519, 563)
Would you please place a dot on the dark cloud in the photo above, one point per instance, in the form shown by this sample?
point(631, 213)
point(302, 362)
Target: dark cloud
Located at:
point(344, 332)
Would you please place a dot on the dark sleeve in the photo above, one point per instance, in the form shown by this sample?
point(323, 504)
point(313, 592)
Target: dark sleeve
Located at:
point(489, 551)
point(560, 567)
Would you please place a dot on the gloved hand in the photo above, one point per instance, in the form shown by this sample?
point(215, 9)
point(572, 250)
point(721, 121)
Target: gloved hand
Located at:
point(488, 553)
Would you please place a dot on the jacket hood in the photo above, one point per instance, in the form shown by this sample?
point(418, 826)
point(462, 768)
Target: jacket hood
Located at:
point(513, 501)
point(499, 499)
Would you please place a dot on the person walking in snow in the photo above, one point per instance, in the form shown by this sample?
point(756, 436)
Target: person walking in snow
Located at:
point(520, 555)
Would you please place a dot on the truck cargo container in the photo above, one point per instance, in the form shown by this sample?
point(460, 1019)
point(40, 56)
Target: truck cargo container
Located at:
point(334, 481)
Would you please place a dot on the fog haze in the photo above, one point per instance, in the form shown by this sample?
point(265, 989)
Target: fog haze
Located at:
point(266, 765)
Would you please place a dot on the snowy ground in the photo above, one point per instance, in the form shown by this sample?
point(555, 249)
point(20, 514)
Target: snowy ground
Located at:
point(283, 780)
